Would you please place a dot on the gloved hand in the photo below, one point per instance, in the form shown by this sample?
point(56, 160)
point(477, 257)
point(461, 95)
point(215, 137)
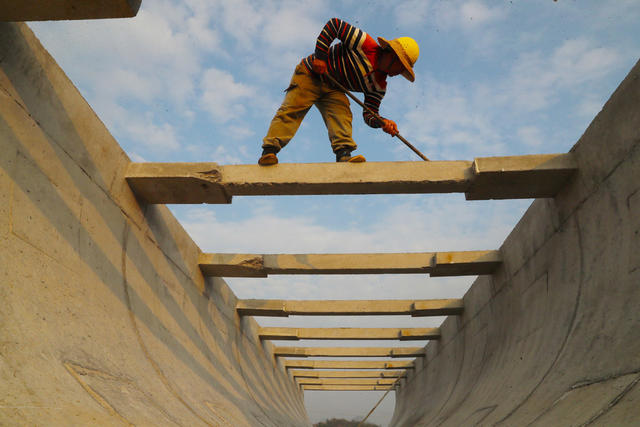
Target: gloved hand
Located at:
point(390, 127)
point(319, 66)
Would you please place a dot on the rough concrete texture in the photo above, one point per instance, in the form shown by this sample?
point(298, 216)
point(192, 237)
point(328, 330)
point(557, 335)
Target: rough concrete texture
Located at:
point(39, 10)
point(282, 308)
point(105, 317)
point(512, 177)
point(434, 263)
point(552, 337)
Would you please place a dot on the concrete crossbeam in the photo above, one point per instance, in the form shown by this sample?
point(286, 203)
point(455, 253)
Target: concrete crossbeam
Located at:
point(39, 10)
point(347, 387)
point(484, 178)
point(347, 381)
point(284, 308)
point(506, 177)
point(310, 373)
point(402, 334)
point(434, 263)
point(349, 351)
point(347, 364)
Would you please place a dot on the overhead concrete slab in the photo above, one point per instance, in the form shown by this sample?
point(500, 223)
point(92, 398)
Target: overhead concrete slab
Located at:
point(402, 334)
point(284, 308)
point(349, 351)
point(49, 10)
point(346, 381)
point(346, 364)
point(523, 177)
point(346, 387)
point(307, 373)
point(435, 263)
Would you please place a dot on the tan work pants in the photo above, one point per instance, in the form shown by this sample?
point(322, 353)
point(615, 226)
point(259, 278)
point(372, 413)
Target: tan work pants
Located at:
point(304, 91)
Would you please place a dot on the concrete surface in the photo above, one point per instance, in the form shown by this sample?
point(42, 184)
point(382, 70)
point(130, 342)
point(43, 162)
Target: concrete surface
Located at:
point(552, 337)
point(402, 334)
point(349, 351)
point(105, 316)
point(346, 387)
point(346, 364)
point(485, 178)
point(347, 381)
point(48, 10)
point(283, 308)
point(435, 263)
point(310, 373)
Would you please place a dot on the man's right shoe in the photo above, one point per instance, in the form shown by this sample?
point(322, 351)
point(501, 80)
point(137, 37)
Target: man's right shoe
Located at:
point(268, 159)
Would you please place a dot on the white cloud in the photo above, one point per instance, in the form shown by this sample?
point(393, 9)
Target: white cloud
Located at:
point(223, 97)
point(157, 137)
point(412, 13)
point(530, 136)
point(475, 13)
point(536, 81)
point(449, 120)
point(468, 15)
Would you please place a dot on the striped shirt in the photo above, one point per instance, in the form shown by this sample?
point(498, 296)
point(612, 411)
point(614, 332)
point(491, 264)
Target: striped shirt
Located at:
point(351, 63)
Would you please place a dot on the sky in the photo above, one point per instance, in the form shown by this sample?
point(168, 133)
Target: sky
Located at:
point(200, 80)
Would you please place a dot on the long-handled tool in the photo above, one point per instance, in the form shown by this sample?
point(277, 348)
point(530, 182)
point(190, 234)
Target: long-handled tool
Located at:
point(350, 95)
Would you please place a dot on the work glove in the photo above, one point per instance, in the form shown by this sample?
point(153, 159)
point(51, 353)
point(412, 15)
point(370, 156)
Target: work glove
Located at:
point(319, 66)
point(390, 127)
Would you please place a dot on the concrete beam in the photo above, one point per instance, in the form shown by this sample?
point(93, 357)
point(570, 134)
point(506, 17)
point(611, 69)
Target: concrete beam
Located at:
point(349, 351)
point(309, 373)
point(41, 10)
point(484, 178)
point(284, 308)
point(517, 177)
point(346, 387)
point(347, 381)
point(402, 334)
point(434, 263)
point(347, 364)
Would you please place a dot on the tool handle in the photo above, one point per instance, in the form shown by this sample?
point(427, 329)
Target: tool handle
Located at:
point(374, 114)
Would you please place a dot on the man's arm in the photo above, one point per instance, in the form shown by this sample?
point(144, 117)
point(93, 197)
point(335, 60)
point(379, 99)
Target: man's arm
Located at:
point(336, 28)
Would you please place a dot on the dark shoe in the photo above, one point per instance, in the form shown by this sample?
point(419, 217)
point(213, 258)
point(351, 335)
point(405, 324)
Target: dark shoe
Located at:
point(344, 155)
point(268, 157)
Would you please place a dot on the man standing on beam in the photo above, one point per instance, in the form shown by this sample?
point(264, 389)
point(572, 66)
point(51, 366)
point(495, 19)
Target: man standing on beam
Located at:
point(359, 64)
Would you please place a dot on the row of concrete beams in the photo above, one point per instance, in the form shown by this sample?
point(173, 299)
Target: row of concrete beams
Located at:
point(434, 263)
point(284, 308)
point(349, 352)
point(513, 177)
point(48, 10)
point(402, 334)
point(321, 373)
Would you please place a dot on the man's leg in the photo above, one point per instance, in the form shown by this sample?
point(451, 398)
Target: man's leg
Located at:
point(336, 113)
point(300, 96)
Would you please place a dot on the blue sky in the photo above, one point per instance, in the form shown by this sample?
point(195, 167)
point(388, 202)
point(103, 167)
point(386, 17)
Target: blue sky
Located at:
point(200, 80)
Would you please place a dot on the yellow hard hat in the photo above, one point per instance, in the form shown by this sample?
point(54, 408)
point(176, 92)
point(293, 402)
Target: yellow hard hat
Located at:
point(407, 51)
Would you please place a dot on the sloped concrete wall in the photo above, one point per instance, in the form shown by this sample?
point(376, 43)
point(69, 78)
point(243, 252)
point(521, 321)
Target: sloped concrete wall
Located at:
point(552, 338)
point(105, 318)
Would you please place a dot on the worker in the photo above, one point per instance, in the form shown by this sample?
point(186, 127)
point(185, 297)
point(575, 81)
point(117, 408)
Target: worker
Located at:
point(359, 64)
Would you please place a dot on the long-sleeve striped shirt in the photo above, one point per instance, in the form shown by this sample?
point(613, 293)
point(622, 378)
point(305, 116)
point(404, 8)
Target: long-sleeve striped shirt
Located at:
point(352, 63)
